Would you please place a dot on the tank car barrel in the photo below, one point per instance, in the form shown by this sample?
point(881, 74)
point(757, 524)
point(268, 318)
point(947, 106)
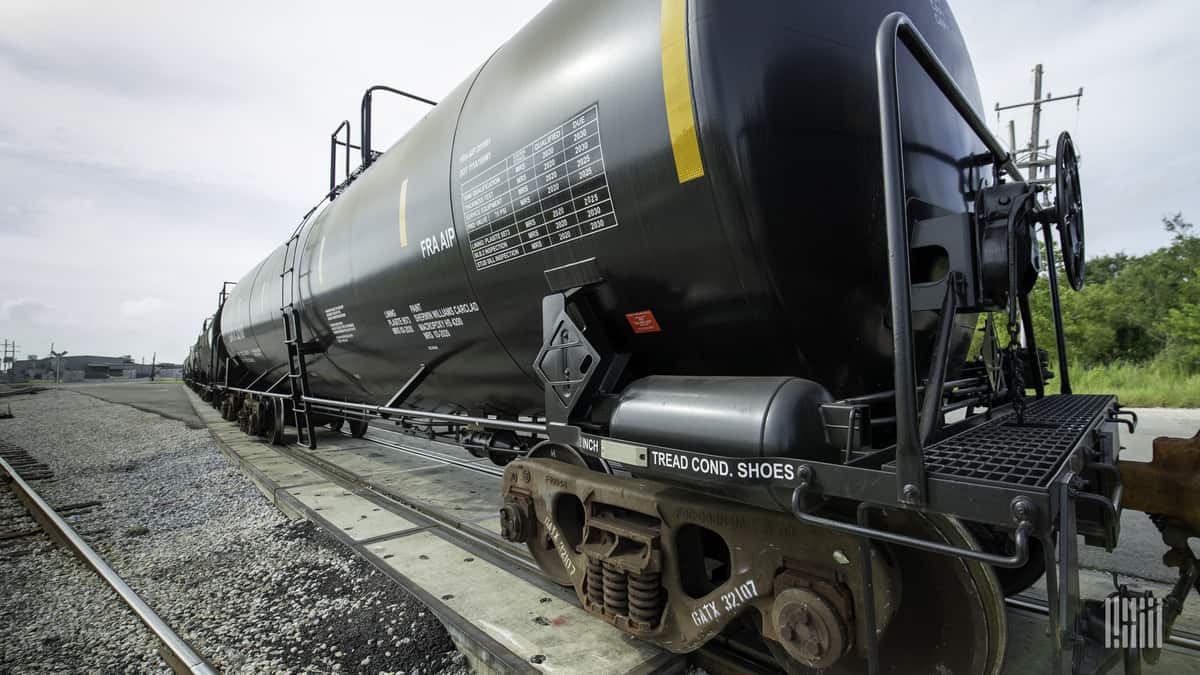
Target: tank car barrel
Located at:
point(646, 445)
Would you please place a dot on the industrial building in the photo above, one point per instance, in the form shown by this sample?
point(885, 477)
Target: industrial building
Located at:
point(83, 367)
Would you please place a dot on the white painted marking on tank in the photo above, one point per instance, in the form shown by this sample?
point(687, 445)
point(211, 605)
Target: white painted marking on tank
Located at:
point(403, 213)
point(321, 263)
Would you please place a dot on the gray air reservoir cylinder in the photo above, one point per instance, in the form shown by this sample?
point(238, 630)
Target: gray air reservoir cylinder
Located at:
point(742, 417)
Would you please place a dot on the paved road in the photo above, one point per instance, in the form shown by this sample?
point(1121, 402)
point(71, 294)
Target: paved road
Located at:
point(1140, 552)
point(166, 399)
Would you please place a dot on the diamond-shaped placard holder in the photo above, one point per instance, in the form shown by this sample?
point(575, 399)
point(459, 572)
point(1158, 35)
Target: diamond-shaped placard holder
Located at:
point(565, 364)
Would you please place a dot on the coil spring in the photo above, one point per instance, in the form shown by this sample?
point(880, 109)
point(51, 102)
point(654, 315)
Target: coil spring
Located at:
point(645, 604)
point(595, 582)
point(616, 591)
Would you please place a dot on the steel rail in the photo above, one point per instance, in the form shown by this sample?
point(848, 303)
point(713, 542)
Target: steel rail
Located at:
point(747, 653)
point(1018, 603)
point(182, 658)
point(1040, 608)
point(489, 469)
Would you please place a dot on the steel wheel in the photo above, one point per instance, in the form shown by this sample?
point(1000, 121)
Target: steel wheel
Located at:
point(278, 422)
point(951, 617)
point(540, 545)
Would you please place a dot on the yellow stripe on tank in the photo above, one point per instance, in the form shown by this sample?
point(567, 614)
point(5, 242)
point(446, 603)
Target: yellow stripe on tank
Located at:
point(403, 211)
point(677, 88)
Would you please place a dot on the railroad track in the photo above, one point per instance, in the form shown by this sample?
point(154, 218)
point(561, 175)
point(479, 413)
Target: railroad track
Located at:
point(17, 476)
point(425, 481)
point(721, 655)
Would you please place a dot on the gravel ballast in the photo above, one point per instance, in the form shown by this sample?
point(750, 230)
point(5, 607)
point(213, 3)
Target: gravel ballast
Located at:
point(249, 589)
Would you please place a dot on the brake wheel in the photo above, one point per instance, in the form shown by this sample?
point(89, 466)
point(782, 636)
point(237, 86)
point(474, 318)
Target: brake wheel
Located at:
point(1068, 203)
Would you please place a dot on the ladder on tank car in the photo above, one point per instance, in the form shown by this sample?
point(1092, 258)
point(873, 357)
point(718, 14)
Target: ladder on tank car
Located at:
point(296, 347)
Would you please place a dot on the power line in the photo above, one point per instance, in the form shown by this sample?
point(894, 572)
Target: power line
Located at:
point(1036, 155)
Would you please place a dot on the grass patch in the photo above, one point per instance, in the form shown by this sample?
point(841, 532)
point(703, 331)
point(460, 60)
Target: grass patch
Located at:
point(1147, 385)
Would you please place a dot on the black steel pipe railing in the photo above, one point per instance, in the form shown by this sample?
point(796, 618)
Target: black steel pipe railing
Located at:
point(1064, 377)
point(1018, 558)
point(256, 392)
point(425, 414)
point(334, 142)
point(931, 412)
point(881, 396)
point(365, 113)
point(897, 29)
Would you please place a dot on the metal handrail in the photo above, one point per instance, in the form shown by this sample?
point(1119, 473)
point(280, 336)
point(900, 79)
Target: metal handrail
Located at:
point(334, 142)
point(897, 29)
point(257, 392)
point(365, 117)
point(1018, 558)
point(445, 417)
point(183, 659)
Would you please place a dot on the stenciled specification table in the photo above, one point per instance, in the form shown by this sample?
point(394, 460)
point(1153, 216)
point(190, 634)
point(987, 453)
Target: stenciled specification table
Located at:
point(547, 193)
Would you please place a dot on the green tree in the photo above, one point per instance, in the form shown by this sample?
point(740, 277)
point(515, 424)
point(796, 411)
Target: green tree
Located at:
point(1182, 328)
point(1132, 308)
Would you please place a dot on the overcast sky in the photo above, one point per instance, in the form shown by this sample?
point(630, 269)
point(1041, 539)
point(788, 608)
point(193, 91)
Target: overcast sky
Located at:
point(150, 150)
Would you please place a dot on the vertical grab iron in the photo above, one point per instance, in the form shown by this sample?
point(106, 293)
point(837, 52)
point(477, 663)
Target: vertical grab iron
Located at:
point(895, 30)
point(297, 368)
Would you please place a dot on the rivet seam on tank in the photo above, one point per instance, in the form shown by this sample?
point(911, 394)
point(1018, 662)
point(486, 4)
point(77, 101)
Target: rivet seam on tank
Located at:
point(403, 212)
point(677, 90)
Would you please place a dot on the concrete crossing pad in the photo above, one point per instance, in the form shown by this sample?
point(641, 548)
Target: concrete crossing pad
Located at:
point(506, 618)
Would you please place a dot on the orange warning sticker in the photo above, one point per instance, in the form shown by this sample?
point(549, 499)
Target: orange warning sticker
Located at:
point(643, 322)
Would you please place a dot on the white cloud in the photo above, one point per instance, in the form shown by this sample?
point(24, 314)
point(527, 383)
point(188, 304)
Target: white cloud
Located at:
point(26, 311)
point(150, 151)
point(134, 309)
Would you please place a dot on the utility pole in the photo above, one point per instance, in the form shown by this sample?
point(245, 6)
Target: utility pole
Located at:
point(57, 363)
point(153, 361)
point(1036, 156)
point(9, 358)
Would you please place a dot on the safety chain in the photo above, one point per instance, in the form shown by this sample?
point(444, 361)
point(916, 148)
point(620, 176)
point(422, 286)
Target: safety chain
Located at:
point(1016, 376)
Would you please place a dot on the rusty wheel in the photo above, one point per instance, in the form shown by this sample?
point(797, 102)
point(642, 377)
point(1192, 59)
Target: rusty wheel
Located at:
point(568, 513)
point(951, 616)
